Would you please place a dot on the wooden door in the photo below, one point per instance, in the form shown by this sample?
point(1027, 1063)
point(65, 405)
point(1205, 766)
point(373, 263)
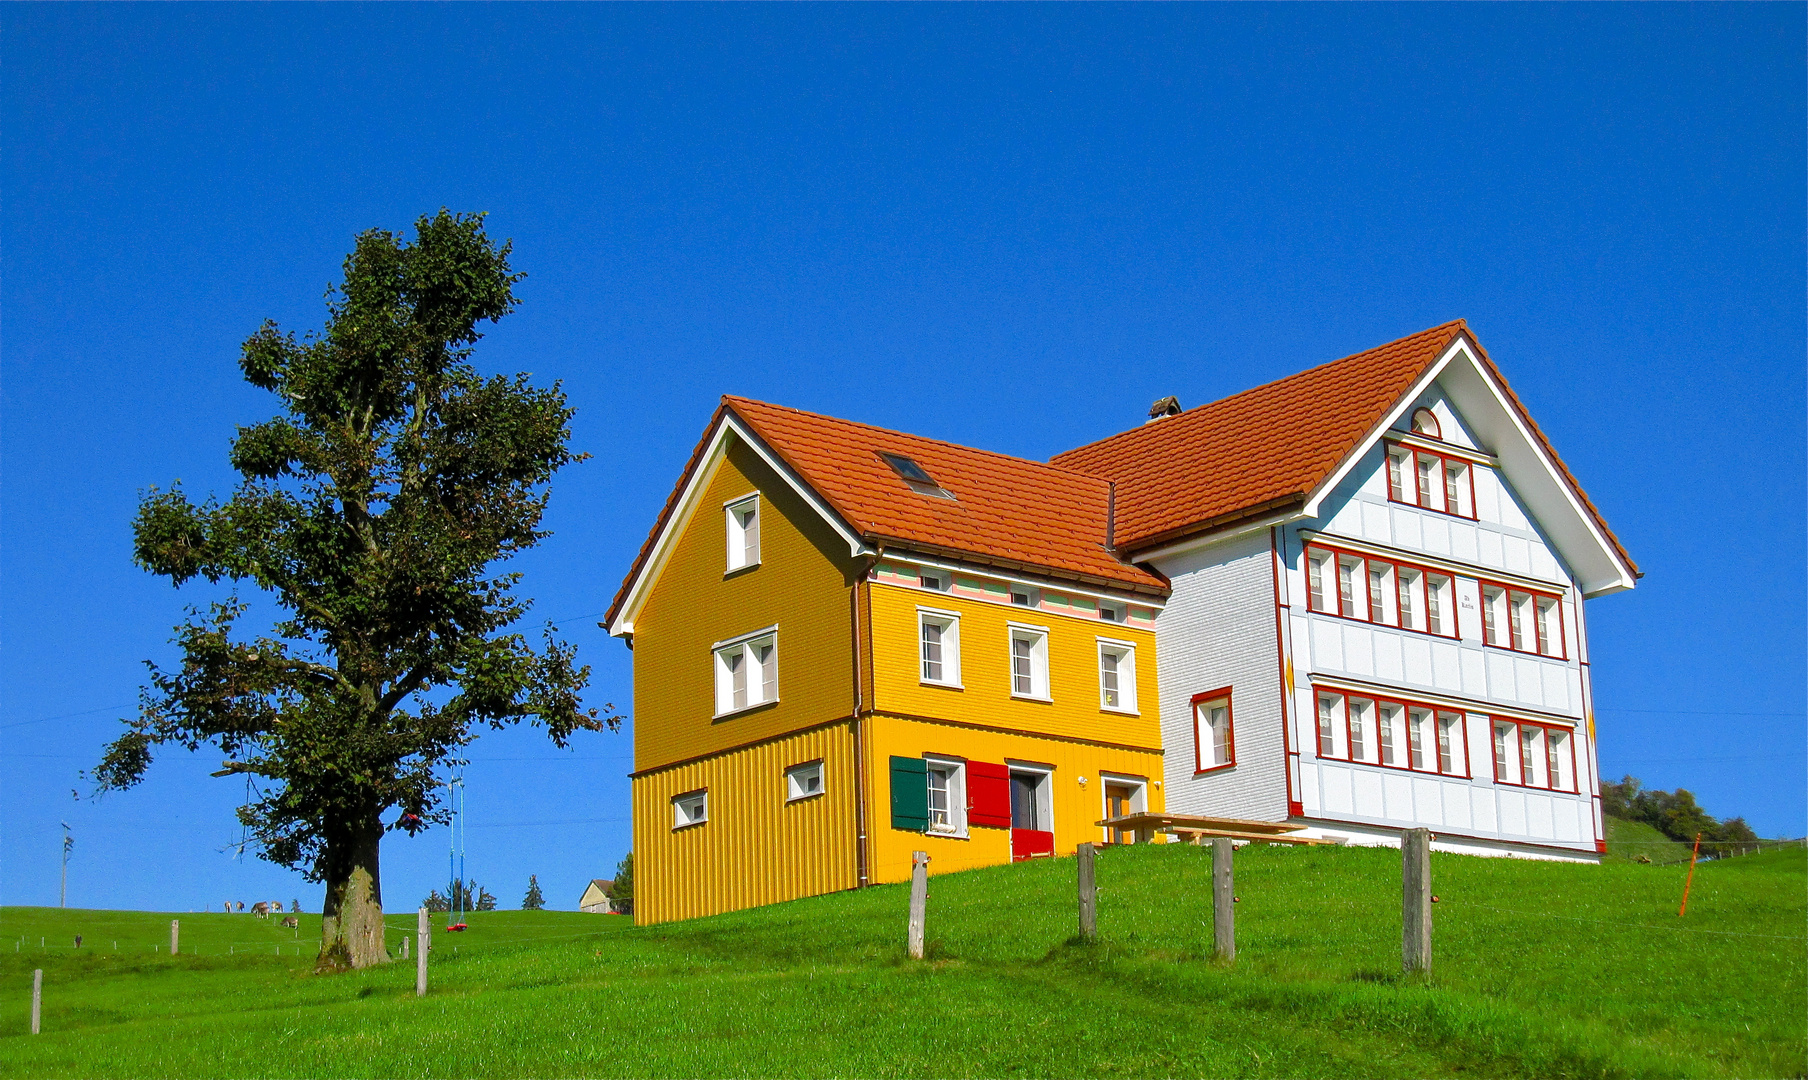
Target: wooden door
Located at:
point(1117, 804)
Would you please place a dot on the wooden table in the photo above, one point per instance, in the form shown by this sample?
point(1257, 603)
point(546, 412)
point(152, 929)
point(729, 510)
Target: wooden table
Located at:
point(1195, 828)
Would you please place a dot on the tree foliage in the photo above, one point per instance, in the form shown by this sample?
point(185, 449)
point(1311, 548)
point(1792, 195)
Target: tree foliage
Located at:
point(1676, 815)
point(462, 895)
point(371, 509)
point(623, 888)
point(534, 901)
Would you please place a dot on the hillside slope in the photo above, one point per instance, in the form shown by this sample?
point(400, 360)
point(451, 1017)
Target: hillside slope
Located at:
point(1540, 969)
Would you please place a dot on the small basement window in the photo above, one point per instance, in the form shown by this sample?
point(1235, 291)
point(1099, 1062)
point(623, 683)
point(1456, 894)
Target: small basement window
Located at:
point(803, 781)
point(914, 477)
point(691, 808)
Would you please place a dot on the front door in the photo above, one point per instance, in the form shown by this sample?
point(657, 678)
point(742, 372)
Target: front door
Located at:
point(1117, 804)
point(1030, 833)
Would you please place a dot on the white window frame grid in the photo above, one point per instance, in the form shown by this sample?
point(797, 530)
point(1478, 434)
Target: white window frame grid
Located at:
point(1045, 791)
point(1523, 620)
point(1368, 589)
point(1441, 483)
point(743, 534)
point(949, 623)
point(723, 658)
point(1112, 611)
point(954, 772)
point(797, 779)
point(1032, 596)
point(681, 816)
point(1207, 736)
point(1037, 657)
point(1124, 656)
point(1362, 728)
point(940, 581)
point(1511, 752)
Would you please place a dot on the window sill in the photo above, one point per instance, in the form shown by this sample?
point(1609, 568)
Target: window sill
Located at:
point(804, 798)
point(1432, 510)
point(1538, 788)
point(1032, 697)
point(743, 710)
point(1525, 652)
point(689, 825)
point(739, 570)
point(940, 685)
point(946, 834)
point(1215, 768)
point(1119, 712)
point(1431, 774)
point(1384, 626)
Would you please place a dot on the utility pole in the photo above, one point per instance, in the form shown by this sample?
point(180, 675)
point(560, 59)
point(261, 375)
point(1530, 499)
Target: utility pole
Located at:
point(68, 843)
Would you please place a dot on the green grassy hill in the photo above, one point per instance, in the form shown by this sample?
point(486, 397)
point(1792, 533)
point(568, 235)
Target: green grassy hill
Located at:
point(1627, 840)
point(1540, 969)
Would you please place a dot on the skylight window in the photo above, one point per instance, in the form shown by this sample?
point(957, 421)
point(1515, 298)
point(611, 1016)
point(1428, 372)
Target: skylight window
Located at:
point(914, 477)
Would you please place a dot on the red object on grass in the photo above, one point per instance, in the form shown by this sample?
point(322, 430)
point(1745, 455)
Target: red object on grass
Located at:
point(1691, 878)
point(457, 927)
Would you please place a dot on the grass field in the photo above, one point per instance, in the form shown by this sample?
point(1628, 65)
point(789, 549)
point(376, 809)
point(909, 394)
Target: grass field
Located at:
point(1627, 840)
point(1541, 969)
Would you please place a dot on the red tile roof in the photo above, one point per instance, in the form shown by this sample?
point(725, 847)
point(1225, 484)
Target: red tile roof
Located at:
point(1006, 509)
point(1010, 512)
point(1270, 447)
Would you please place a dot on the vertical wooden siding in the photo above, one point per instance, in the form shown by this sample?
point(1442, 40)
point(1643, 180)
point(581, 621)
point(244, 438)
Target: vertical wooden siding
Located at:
point(756, 848)
point(803, 585)
point(1076, 806)
point(985, 649)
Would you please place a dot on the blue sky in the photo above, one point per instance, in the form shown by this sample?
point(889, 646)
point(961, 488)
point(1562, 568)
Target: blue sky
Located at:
point(1008, 226)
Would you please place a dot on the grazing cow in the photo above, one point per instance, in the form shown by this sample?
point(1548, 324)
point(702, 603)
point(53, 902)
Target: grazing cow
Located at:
point(291, 922)
point(261, 909)
point(241, 905)
point(276, 906)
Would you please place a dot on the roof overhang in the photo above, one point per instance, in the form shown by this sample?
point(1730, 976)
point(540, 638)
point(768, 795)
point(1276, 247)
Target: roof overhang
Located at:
point(1525, 459)
point(728, 427)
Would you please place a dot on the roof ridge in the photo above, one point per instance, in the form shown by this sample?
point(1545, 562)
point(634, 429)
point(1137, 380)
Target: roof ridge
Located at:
point(1459, 323)
point(735, 398)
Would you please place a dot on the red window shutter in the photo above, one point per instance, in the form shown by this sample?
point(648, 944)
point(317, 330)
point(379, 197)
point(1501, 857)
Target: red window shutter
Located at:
point(988, 794)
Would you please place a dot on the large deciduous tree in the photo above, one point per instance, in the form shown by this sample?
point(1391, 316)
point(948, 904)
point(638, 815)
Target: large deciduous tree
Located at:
point(372, 510)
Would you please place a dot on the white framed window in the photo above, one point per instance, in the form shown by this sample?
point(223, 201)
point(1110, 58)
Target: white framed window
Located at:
point(1029, 661)
point(743, 533)
point(947, 795)
point(1368, 730)
point(746, 671)
point(690, 808)
point(1112, 611)
point(1117, 675)
point(803, 781)
point(1380, 591)
point(938, 639)
point(935, 580)
point(1521, 620)
point(1025, 596)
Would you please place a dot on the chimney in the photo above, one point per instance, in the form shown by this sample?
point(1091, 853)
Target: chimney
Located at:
point(1161, 410)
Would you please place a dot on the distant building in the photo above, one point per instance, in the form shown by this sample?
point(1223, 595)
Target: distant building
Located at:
point(596, 898)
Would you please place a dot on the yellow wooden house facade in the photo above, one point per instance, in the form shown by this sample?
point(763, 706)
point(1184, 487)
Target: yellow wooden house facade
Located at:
point(851, 644)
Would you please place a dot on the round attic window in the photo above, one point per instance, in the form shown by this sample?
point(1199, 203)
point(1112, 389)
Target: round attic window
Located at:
point(1425, 422)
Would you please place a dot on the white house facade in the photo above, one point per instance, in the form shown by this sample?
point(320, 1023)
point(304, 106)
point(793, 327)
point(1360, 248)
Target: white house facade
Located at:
point(1397, 642)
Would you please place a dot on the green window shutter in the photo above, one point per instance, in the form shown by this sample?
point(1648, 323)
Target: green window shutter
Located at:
point(909, 794)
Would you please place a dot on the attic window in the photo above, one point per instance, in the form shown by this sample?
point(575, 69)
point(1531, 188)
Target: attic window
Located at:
point(1425, 422)
point(914, 477)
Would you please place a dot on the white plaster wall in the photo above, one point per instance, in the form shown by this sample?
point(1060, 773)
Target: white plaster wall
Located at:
point(1217, 630)
point(1503, 539)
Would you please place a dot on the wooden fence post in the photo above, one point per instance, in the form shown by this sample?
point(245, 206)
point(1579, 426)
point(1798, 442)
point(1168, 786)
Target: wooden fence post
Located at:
point(919, 901)
point(423, 929)
point(1415, 912)
point(404, 946)
point(1224, 915)
point(175, 931)
point(1089, 893)
point(37, 997)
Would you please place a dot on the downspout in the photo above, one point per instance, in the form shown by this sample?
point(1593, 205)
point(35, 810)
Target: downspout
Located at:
point(1276, 545)
point(861, 878)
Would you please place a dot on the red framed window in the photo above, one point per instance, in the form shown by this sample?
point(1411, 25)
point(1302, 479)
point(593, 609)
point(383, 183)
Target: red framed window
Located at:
point(1430, 480)
point(1214, 731)
point(1383, 591)
point(1523, 620)
point(1369, 729)
point(1534, 755)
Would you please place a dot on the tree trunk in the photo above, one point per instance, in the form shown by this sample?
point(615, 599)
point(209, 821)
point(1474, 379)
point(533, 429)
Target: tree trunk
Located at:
point(351, 926)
